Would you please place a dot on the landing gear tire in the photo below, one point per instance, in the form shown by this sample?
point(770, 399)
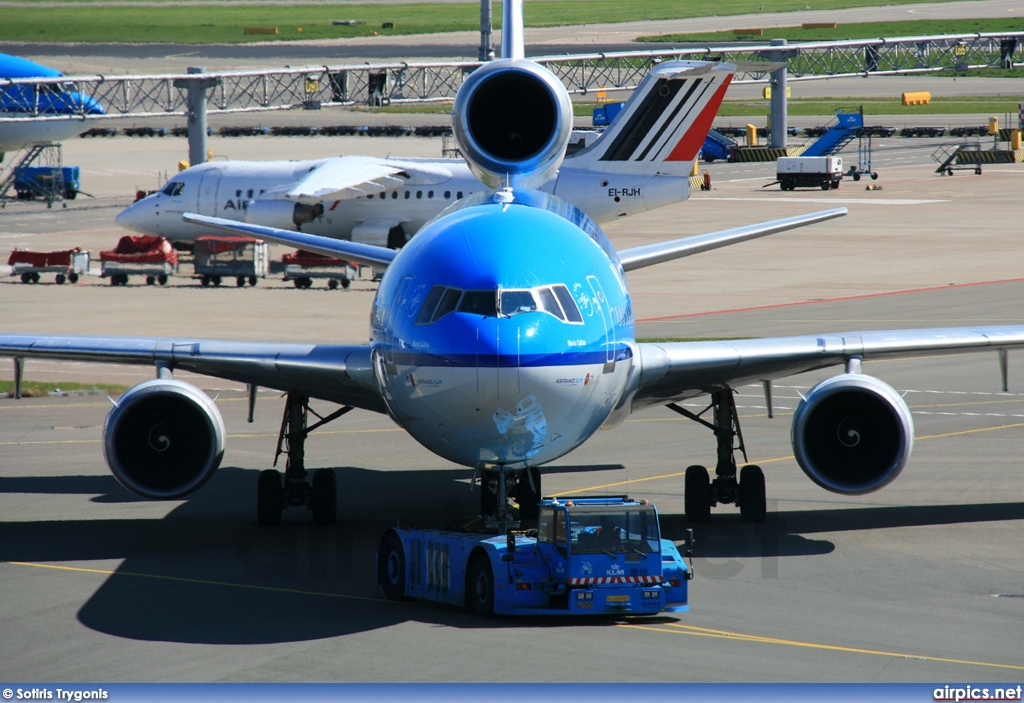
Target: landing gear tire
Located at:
point(391, 562)
point(752, 496)
point(269, 498)
point(323, 500)
point(480, 587)
point(697, 498)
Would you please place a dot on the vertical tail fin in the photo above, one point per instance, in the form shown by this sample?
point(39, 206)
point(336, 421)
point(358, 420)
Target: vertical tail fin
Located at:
point(512, 42)
point(663, 126)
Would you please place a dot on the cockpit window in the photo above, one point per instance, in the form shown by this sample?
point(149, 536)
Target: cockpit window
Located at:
point(514, 302)
point(554, 300)
point(548, 303)
point(173, 188)
point(479, 302)
point(572, 313)
point(429, 305)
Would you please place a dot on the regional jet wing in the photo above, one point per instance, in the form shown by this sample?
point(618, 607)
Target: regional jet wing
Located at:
point(349, 177)
point(337, 373)
point(677, 370)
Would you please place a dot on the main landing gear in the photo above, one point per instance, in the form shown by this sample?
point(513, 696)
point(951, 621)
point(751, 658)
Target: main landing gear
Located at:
point(701, 492)
point(274, 493)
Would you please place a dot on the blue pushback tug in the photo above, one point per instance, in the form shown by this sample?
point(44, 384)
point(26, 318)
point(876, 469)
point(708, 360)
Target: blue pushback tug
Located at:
point(588, 556)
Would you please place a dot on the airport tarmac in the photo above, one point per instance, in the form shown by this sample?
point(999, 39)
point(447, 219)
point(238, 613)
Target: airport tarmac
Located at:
point(923, 581)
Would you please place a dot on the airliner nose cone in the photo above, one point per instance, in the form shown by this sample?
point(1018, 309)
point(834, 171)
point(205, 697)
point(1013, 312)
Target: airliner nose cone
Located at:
point(131, 217)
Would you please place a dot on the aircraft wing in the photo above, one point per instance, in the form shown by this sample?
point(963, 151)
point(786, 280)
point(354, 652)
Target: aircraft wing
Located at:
point(650, 254)
point(337, 373)
point(676, 370)
point(365, 254)
point(349, 177)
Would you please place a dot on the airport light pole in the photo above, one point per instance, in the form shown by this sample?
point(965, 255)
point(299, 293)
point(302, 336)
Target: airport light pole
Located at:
point(778, 138)
point(196, 100)
point(486, 51)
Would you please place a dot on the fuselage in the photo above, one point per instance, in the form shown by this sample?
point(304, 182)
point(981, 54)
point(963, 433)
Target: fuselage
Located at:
point(252, 191)
point(502, 334)
point(37, 104)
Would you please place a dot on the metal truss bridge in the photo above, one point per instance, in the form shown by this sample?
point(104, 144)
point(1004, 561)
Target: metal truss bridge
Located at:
point(312, 87)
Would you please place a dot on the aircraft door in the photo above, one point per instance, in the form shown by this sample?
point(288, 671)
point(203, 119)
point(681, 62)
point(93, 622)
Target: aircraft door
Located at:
point(208, 186)
point(601, 302)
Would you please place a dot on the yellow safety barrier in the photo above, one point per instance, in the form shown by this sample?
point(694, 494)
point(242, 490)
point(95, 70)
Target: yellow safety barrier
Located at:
point(1015, 140)
point(260, 30)
point(751, 135)
point(920, 97)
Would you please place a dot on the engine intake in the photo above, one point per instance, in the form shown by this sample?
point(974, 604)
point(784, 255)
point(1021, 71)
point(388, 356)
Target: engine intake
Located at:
point(163, 439)
point(513, 119)
point(852, 434)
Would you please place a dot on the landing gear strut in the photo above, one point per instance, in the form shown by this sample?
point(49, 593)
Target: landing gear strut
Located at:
point(274, 493)
point(701, 492)
point(499, 484)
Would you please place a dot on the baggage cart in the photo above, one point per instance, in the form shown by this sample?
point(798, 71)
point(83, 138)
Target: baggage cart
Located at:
point(301, 267)
point(224, 256)
point(152, 257)
point(68, 264)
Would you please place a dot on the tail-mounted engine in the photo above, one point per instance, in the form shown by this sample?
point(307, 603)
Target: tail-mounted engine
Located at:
point(852, 434)
point(163, 439)
point(512, 120)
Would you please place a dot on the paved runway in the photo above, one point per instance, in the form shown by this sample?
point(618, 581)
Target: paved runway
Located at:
point(923, 581)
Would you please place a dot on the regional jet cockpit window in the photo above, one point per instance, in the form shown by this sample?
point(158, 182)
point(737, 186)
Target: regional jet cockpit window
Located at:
point(173, 188)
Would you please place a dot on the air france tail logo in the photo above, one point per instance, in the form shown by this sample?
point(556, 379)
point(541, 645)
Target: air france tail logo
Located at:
point(672, 119)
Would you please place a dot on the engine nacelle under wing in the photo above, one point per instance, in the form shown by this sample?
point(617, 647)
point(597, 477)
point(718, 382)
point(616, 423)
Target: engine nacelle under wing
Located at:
point(282, 214)
point(163, 439)
point(513, 120)
point(852, 434)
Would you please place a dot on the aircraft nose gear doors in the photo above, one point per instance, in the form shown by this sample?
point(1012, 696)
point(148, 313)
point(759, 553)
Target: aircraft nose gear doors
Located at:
point(701, 493)
point(274, 495)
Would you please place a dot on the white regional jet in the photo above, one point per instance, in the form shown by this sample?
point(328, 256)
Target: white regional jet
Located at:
point(641, 162)
point(502, 337)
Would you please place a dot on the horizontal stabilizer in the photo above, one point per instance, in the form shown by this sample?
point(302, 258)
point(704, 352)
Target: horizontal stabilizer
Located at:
point(650, 254)
point(364, 254)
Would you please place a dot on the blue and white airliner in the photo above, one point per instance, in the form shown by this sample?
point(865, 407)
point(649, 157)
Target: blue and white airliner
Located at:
point(33, 108)
point(502, 335)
